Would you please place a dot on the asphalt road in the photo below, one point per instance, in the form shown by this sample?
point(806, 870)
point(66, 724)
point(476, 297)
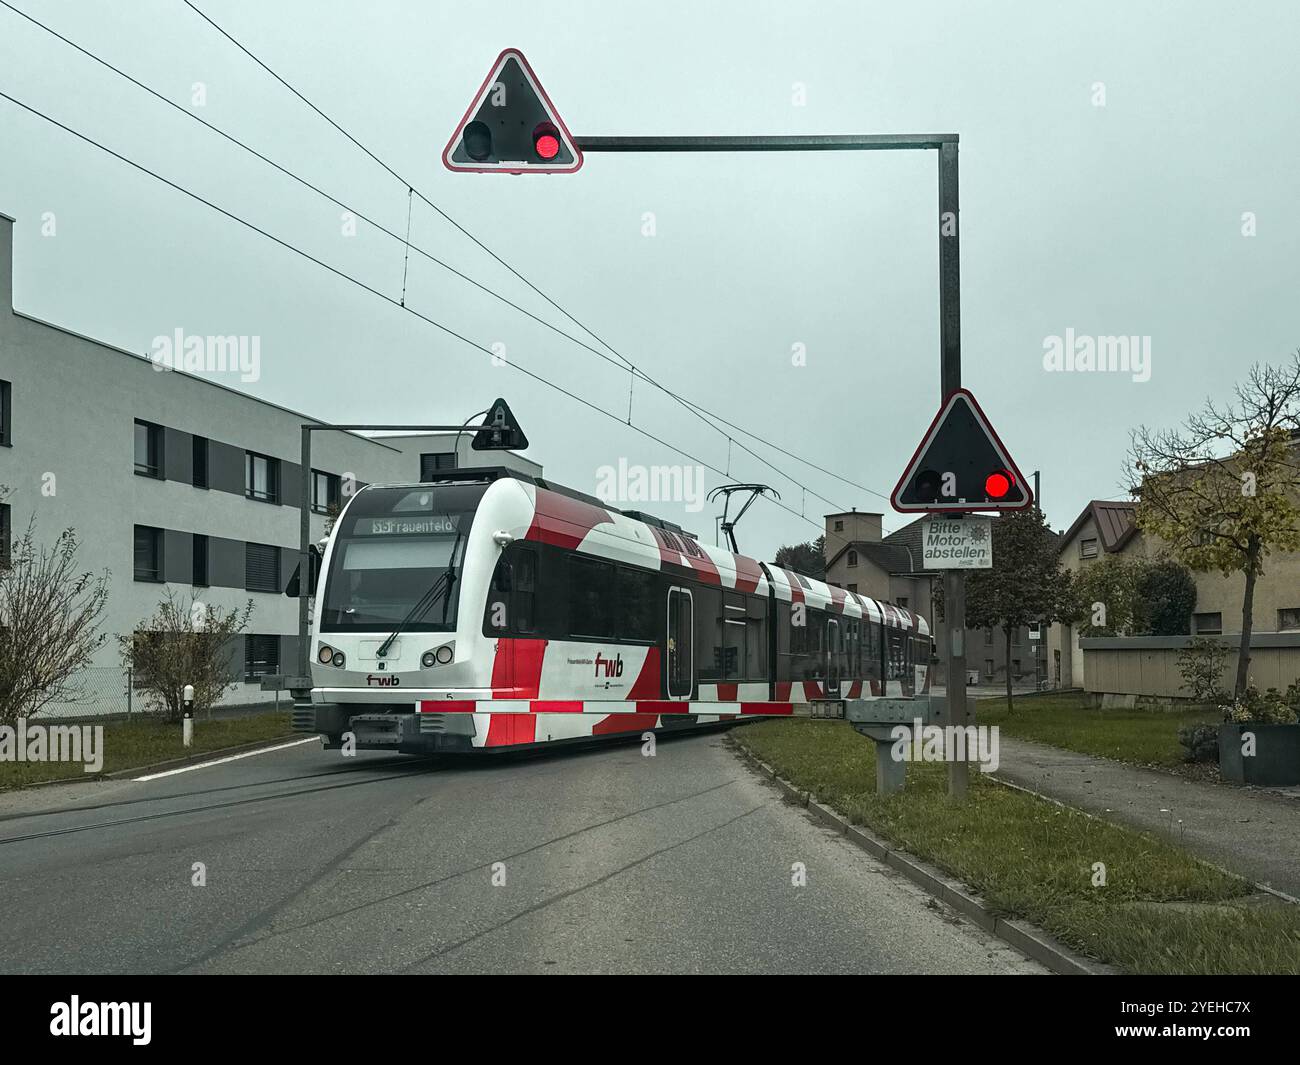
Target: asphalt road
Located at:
point(611, 861)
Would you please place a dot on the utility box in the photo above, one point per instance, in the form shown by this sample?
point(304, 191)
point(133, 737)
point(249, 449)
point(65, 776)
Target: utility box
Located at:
point(877, 718)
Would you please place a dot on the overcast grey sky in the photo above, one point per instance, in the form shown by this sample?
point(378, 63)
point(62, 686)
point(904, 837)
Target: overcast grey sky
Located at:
point(1124, 219)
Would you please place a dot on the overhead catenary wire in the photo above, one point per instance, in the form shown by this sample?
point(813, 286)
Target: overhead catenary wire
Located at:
point(695, 408)
point(707, 416)
point(371, 290)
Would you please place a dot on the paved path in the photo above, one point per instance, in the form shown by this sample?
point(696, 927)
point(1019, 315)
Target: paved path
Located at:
point(612, 863)
point(1251, 831)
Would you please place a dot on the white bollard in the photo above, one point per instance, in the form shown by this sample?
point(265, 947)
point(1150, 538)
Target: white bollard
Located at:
point(187, 720)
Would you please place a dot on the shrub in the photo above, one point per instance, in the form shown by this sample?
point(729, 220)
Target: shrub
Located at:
point(1270, 708)
point(1201, 741)
point(1201, 664)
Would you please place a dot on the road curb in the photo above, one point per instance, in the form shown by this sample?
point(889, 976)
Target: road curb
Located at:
point(1031, 941)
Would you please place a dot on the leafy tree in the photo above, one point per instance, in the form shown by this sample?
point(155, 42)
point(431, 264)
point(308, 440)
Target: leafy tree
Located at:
point(1025, 585)
point(49, 623)
point(1222, 491)
point(185, 642)
point(1105, 600)
point(806, 558)
point(1167, 594)
point(1117, 596)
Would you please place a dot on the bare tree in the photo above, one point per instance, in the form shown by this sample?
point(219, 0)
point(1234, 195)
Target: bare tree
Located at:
point(49, 622)
point(1223, 490)
point(187, 641)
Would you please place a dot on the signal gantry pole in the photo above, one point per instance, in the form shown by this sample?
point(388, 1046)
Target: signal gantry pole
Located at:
point(949, 328)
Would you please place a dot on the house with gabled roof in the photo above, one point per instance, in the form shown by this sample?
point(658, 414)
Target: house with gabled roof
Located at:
point(890, 569)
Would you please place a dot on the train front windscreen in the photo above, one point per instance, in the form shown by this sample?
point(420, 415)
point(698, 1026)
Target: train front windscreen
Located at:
point(396, 558)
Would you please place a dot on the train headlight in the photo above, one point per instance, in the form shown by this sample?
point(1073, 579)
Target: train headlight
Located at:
point(438, 656)
point(340, 659)
point(324, 655)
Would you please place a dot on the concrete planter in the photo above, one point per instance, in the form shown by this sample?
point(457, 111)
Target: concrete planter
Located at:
point(1276, 762)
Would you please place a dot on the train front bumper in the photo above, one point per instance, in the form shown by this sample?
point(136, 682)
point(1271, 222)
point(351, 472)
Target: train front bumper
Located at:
point(375, 728)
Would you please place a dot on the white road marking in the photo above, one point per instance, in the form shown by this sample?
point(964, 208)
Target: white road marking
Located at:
point(228, 758)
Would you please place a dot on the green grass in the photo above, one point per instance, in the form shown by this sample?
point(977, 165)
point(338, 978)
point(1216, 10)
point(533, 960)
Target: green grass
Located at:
point(131, 744)
point(1033, 859)
point(1145, 737)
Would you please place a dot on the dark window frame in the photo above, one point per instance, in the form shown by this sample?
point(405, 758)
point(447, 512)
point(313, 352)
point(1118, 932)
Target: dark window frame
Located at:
point(155, 574)
point(200, 453)
point(269, 643)
point(6, 414)
point(1215, 631)
point(272, 584)
point(272, 493)
point(153, 464)
point(437, 464)
point(201, 574)
point(6, 535)
point(333, 491)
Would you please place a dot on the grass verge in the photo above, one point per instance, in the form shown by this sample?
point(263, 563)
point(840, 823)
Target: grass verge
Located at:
point(1144, 737)
point(1160, 910)
point(142, 742)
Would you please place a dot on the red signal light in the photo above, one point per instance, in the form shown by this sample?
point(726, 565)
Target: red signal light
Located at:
point(546, 141)
point(998, 484)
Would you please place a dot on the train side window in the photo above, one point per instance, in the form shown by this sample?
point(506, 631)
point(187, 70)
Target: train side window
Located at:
point(734, 637)
point(710, 647)
point(591, 607)
point(637, 604)
point(525, 591)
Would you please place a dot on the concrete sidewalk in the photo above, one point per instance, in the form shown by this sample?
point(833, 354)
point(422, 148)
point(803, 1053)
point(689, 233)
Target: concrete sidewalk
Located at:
point(1254, 832)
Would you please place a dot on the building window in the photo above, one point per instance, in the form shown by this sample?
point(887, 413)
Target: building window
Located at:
point(1207, 624)
point(1015, 637)
point(853, 588)
point(1015, 668)
point(324, 491)
point(440, 460)
point(853, 559)
point(901, 601)
point(261, 656)
point(261, 477)
point(148, 449)
point(988, 667)
point(1088, 548)
point(148, 553)
point(200, 475)
point(6, 535)
point(839, 526)
point(1288, 619)
point(988, 637)
point(6, 414)
point(200, 579)
point(262, 568)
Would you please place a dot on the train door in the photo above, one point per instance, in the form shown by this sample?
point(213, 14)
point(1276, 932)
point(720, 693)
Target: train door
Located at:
point(681, 657)
point(834, 655)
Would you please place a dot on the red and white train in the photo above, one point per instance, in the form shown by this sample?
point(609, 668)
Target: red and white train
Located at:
point(487, 609)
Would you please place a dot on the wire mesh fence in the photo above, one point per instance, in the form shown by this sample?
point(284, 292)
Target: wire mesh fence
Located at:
point(96, 692)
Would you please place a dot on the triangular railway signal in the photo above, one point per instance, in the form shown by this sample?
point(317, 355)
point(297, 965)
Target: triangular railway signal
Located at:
point(961, 465)
point(511, 126)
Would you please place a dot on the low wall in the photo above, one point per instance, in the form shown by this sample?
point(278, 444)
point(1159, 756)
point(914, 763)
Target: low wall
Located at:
point(1147, 666)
